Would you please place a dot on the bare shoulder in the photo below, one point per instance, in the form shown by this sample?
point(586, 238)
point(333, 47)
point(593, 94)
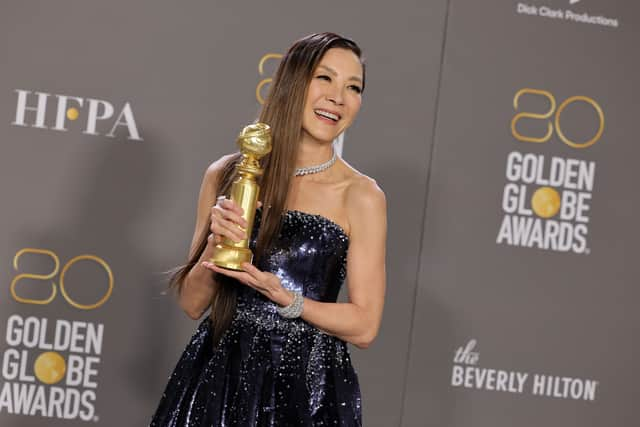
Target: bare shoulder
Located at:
point(364, 197)
point(214, 169)
point(209, 186)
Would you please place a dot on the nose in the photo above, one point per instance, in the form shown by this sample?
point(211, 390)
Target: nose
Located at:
point(334, 95)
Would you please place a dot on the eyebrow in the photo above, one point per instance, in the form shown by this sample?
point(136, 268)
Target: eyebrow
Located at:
point(335, 73)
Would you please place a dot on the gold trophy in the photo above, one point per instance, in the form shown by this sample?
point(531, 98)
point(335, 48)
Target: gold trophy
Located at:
point(254, 142)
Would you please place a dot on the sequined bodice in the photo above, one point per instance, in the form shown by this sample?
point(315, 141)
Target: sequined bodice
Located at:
point(309, 256)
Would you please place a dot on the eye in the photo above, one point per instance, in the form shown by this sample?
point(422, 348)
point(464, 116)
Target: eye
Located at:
point(323, 77)
point(356, 88)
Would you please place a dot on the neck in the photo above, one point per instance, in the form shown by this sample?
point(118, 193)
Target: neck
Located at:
point(313, 153)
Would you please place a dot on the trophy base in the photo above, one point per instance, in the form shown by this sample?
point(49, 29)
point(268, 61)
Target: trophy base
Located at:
point(231, 258)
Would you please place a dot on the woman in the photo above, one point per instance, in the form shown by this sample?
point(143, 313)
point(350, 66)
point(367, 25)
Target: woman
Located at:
point(273, 351)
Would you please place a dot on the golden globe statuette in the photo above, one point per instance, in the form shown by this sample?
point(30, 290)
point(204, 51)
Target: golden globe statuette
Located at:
point(255, 143)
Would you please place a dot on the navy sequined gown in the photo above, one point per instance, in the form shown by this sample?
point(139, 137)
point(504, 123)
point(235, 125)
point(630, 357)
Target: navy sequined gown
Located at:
point(268, 370)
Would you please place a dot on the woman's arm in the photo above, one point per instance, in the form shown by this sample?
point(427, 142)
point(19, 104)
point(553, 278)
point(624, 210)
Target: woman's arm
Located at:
point(199, 287)
point(358, 320)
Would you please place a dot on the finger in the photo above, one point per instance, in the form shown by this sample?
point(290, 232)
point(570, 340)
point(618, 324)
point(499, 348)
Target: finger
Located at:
point(253, 271)
point(232, 216)
point(220, 214)
point(228, 229)
point(223, 210)
point(219, 229)
point(212, 239)
point(267, 282)
point(208, 265)
point(238, 275)
point(219, 200)
point(232, 205)
point(225, 271)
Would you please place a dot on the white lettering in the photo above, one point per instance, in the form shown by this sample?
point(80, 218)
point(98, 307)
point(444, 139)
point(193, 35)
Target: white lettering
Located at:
point(22, 108)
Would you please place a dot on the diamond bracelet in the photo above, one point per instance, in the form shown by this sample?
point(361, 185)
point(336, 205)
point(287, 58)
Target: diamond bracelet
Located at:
point(294, 309)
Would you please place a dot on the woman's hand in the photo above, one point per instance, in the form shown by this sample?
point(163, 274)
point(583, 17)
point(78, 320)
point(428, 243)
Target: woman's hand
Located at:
point(227, 221)
point(267, 284)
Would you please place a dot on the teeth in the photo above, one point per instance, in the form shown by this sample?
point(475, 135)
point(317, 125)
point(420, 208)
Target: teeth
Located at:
point(327, 115)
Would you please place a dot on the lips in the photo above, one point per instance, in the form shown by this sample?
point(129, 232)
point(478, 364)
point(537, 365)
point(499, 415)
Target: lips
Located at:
point(326, 114)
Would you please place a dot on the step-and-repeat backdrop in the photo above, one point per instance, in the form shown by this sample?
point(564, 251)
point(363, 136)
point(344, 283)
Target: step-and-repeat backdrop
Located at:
point(502, 132)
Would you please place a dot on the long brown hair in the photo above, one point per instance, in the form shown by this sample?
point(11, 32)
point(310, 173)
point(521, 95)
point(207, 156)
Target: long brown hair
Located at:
point(282, 111)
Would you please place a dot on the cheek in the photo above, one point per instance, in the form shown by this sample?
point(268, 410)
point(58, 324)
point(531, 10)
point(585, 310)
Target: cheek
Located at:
point(355, 107)
point(310, 101)
point(358, 104)
point(308, 115)
point(313, 92)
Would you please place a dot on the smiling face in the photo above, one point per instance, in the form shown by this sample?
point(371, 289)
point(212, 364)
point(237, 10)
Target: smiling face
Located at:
point(333, 96)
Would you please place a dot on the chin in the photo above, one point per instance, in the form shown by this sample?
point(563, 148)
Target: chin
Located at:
point(323, 137)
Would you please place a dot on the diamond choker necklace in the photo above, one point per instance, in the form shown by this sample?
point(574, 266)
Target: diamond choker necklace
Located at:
point(317, 168)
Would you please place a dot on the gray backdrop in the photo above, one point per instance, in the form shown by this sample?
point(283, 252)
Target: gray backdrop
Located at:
point(543, 336)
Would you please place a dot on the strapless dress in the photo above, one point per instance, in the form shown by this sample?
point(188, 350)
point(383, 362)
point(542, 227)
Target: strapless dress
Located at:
point(267, 370)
